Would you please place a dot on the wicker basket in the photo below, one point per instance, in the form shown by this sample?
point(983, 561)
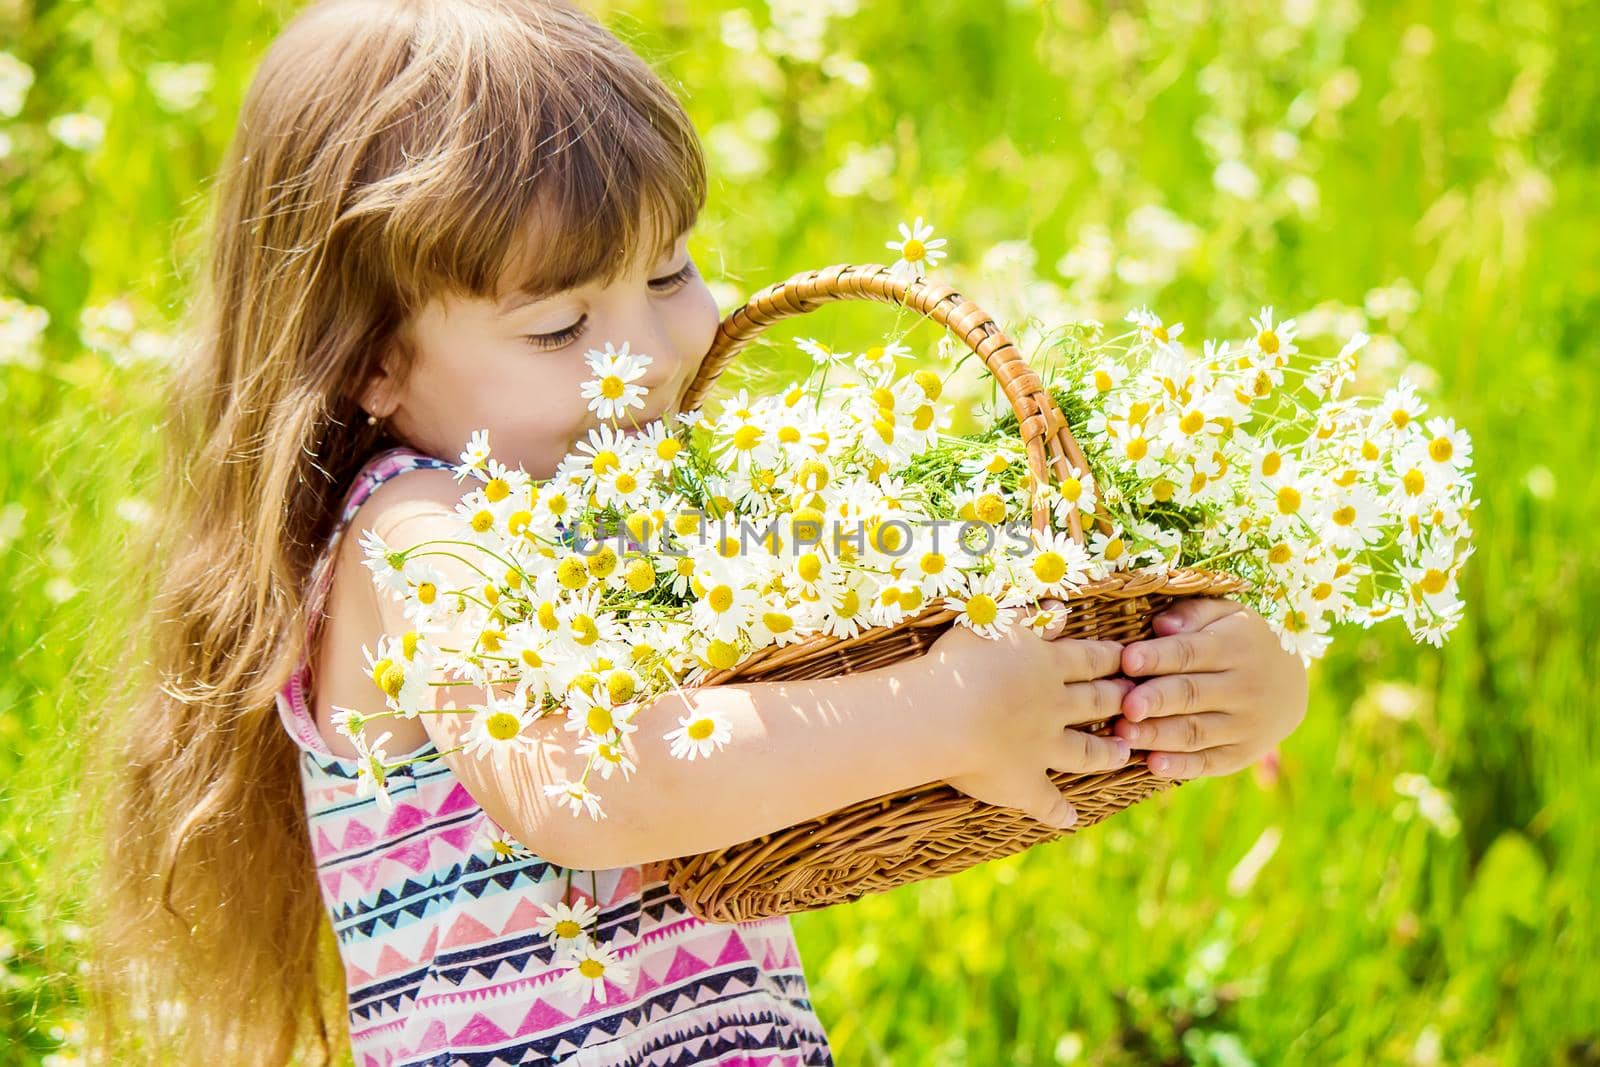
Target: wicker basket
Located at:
point(932, 830)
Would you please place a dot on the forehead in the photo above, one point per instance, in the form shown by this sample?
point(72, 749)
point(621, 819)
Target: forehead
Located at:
point(551, 254)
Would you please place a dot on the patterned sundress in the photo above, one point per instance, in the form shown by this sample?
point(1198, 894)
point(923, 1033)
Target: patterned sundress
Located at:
point(436, 933)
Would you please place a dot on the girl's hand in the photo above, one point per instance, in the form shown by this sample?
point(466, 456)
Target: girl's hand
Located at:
point(1017, 701)
point(1222, 692)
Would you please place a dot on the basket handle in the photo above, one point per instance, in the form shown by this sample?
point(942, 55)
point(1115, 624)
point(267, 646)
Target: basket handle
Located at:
point(1044, 430)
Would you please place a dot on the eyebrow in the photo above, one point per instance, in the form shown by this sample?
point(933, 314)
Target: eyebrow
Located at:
point(521, 297)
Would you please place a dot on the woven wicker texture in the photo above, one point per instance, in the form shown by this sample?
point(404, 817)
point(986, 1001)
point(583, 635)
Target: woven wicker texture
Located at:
point(933, 830)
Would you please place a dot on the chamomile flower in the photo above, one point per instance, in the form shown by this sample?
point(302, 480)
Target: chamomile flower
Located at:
point(1274, 341)
point(1153, 329)
point(607, 755)
point(372, 770)
point(566, 924)
point(699, 733)
point(590, 966)
point(990, 607)
point(474, 456)
point(499, 730)
point(1056, 566)
point(919, 250)
point(1109, 551)
point(614, 389)
point(1399, 408)
point(821, 354)
point(993, 461)
point(576, 796)
point(385, 563)
point(500, 845)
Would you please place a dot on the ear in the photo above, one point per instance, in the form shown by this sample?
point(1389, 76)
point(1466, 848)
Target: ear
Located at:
point(380, 393)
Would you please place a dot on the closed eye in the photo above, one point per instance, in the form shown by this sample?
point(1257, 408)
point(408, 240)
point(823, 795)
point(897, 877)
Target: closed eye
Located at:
point(561, 338)
point(675, 279)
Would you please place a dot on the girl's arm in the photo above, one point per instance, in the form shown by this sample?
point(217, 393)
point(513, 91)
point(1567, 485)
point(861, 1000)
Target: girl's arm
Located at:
point(798, 749)
point(992, 717)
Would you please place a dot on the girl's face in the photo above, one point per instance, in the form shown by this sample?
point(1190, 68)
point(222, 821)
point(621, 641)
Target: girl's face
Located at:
point(515, 365)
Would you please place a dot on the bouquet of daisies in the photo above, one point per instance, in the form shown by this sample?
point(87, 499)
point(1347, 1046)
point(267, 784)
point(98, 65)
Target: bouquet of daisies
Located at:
point(667, 556)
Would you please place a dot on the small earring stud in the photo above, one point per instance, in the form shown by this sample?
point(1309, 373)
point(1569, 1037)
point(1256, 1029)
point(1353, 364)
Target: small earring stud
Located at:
point(372, 420)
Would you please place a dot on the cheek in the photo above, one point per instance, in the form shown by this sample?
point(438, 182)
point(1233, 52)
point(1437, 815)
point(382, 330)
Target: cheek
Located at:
point(696, 327)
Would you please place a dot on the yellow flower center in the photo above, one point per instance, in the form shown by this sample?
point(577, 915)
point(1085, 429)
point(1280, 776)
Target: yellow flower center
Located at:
point(1440, 449)
point(496, 490)
point(483, 521)
point(913, 250)
point(929, 382)
point(502, 726)
point(1344, 516)
point(746, 437)
point(809, 567)
point(611, 387)
point(427, 592)
point(1138, 448)
point(982, 609)
point(591, 968)
point(1413, 482)
point(1049, 567)
point(1433, 581)
point(722, 655)
point(387, 676)
point(640, 576)
point(603, 562)
point(1288, 500)
point(1267, 341)
point(1192, 423)
point(991, 508)
point(567, 928)
point(599, 720)
point(701, 729)
point(931, 562)
point(572, 573)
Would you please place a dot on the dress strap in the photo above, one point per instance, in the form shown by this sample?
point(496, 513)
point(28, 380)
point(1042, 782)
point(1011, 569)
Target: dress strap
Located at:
point(377, 470)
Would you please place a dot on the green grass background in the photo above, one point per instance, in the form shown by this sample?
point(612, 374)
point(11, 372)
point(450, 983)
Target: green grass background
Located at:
point(1453, 146)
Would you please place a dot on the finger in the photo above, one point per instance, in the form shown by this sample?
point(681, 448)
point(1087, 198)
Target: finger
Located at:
point(1040, 800)
point(1093, 701)
point(1082, 660)
point(1182, 765)
point(1179, 733)
point(1193, 613)
point(1085, 753)
point(1179, 694)
point(1203, 650)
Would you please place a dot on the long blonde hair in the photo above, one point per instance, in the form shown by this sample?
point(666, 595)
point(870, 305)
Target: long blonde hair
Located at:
point(387, 150)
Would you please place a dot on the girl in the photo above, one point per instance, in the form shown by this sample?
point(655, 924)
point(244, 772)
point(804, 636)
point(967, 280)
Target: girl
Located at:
point(431, 210)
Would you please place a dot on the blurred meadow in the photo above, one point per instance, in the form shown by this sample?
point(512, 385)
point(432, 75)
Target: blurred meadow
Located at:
point(1414, 881)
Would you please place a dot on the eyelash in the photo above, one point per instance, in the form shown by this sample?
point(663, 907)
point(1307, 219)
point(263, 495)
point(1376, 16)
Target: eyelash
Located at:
point(561, 338)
